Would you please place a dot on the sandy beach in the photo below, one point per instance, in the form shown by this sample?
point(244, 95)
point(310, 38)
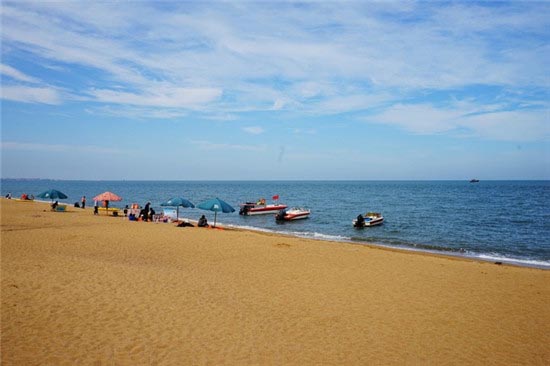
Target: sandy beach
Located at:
point(79, 289)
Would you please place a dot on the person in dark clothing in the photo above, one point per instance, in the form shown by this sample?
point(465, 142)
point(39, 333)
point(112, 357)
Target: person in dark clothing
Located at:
point(202, 222)
point(145, 211)
point(96, 208)
point(83, 202)
point(360, 222)
point(185, 224)
point(125, 210)
point(54, 205)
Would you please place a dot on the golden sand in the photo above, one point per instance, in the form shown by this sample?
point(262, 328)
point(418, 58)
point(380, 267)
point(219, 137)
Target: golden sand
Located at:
point(80, 289)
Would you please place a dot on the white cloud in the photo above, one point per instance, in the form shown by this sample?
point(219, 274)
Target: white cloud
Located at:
point(280, 57)
point(485, 122)
point(520, 125)
point(160, 97)
point(304, 131)
point(420, 119)
point(136, 112)
point(16, 74)
point(27, 94)
point(208, 145)
point(254, 130)
point(28, 146)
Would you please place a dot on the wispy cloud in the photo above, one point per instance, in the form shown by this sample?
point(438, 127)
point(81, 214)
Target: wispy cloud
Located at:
point(461, 119)
point(170, 97)
point(29, 94)
point(137, 112)
point(7, 70)
point(208, 145)
point(254, 130)
point(222, 60)
point(29, 146)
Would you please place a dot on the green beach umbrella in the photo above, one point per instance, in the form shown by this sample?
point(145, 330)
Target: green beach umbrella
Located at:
point(177, 202)
point(52, 194)
point(216, 205)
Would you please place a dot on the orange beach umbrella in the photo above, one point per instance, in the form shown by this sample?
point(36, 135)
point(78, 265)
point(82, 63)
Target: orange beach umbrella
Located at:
point(107, 196)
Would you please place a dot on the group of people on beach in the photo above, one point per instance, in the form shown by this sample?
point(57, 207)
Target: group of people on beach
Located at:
point(24, 197)
point(145, 214)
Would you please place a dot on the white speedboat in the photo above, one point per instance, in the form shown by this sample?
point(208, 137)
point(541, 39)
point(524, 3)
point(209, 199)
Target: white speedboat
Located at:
point(369, 219)
point(260, 208)
point(292, 214)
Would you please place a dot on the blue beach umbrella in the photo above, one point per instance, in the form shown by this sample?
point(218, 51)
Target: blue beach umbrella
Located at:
point(216, 205)
point(52, 194)
point(177, 202)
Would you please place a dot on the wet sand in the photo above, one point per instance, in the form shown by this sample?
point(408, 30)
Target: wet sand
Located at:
point(84, 289)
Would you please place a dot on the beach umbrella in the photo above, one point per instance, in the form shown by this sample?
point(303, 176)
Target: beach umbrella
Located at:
point(53, 194)
point(216, 205)
point(107, 196)
point(177, 202)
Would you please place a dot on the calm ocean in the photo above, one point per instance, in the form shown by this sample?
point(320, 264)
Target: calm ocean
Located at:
point(494, 220)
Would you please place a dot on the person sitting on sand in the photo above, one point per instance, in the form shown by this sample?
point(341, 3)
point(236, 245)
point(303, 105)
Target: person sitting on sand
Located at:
point(185, 223)
point(8, 196)
point(54, 205)
point(202, 222)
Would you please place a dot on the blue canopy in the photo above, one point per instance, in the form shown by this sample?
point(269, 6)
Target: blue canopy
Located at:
point(52, 194)
point(216, 205)
point(177, 202)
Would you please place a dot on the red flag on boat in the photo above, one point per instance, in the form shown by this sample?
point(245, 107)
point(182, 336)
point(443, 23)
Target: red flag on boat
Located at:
point(276, 197)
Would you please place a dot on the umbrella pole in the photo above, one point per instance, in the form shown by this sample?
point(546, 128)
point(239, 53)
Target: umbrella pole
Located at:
point(177, 213)
point(215, 215)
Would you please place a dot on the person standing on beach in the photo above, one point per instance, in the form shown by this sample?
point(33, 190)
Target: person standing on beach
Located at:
point(83, 202)
point(146, 211)
point(96, 208)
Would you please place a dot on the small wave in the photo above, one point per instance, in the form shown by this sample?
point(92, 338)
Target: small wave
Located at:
point(524, 262)
point(400, 244)
point(316, 235)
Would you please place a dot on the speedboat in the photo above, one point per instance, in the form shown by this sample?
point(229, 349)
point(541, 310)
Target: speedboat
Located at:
point(294, 213)
point(474, 180)
point(369, 219)
point(260, 207)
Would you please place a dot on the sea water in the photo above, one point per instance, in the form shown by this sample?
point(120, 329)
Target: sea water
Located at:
point(505, 221)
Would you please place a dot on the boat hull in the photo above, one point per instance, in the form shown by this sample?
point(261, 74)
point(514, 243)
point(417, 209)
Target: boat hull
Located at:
point(261, 210)
point(292, 215)
point(370, 222)
point(296, 217)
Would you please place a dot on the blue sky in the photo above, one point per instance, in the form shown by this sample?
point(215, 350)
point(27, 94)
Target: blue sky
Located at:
point(275, 90)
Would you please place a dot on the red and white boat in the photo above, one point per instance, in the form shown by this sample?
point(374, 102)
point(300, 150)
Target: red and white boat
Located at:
point(292, 214)
point(260, 207)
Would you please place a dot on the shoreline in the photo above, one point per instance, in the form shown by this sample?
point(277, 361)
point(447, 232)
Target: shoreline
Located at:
point(83, 289)
point(526, 263)
point(485, 258)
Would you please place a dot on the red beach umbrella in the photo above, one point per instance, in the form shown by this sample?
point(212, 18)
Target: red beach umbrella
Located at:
point(107, 196)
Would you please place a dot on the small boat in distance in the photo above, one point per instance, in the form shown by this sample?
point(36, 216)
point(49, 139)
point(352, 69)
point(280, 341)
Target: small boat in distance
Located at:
point(260, 207)
point(474, 180)
point(292, 214)
point(368, 219)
